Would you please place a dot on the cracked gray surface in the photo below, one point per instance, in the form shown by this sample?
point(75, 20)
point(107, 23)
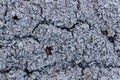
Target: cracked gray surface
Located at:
point(59, 40)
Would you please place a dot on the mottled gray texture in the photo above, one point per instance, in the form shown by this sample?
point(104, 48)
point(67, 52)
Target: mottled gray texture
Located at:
point(59, 39)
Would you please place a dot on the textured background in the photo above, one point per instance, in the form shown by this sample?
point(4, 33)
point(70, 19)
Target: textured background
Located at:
point(59, 39)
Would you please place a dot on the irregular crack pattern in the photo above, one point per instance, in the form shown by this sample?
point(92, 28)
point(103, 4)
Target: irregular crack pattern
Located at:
point(59, 40)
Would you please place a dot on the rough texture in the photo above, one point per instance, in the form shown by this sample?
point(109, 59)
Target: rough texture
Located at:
point(59, 39)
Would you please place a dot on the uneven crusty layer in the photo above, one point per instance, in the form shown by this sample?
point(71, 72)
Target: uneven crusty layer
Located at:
point(59, 39)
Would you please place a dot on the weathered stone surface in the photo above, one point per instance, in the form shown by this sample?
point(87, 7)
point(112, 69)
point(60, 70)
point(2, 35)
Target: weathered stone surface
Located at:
point(59, 39)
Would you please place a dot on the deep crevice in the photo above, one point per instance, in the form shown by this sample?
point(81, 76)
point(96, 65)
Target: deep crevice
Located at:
point(105, 32)
point(15, 17)
point(48, 50)
point(112, 38)
point(27, 36)
point(5, 71)
point(64, 27)
point(45, 21)
point(30, 36)
point(28, 73)
point(5, 14)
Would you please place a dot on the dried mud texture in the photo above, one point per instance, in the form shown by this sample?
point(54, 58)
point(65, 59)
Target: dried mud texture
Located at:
point(59, 39)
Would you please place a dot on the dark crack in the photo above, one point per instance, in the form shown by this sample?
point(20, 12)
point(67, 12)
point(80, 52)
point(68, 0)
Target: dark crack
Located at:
point(5, 71)
point(69, 29)
point(84, 22)
point(48, 50)
point(112, 38)
point(49, 22)
point(33, 37)
point(28, 72)
point(27, 36)
point(78, 4)
point(45, 21)
point(5, 14)
point(64, 27)
point(15, 17)
point(105, 32)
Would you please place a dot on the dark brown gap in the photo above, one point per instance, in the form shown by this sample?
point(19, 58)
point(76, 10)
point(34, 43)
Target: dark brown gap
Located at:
point(48, 50)
point(105, 32)
point(15, 17)
point(112, 38)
